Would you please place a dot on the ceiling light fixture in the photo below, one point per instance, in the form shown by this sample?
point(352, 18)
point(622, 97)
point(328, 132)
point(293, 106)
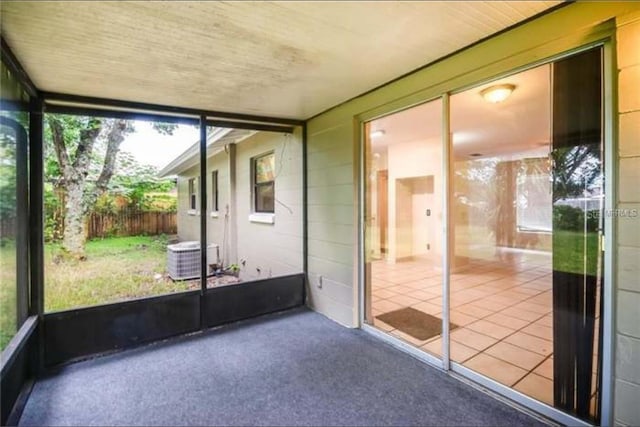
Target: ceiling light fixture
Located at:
point(497, 93)
point(376, 133)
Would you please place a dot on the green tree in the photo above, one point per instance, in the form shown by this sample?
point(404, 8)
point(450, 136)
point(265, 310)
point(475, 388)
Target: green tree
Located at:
point(7, 175)
point(577, 171)
point(86, 151)
point(138, 181)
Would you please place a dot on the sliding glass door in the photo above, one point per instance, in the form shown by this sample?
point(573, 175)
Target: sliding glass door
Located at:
point(525, 223)
point(526, 211)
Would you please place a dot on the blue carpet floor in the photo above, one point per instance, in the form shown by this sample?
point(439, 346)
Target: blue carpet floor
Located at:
point(293, 368)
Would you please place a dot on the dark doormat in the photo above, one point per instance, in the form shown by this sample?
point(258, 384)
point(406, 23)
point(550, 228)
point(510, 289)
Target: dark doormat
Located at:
point(416, 323)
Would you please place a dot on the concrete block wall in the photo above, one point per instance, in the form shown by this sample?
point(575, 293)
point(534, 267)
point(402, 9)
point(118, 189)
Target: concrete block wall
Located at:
point(627, 354)
point(331, 218)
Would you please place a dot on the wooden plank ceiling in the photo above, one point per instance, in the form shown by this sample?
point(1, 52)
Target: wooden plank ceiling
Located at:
point(284, 59)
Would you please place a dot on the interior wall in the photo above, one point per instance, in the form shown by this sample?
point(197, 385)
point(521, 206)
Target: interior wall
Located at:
point(410, 164)
point(426, 228)
point(401, 223)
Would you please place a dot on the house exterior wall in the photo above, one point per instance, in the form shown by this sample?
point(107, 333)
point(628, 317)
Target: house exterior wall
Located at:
point(627, 360)
point(273, 249)
point(334, 156)
point(216, 222)
point(189, 220)
point(266, 250)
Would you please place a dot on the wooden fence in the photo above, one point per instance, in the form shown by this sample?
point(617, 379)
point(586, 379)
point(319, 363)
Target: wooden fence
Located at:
point(131, 223)
point(8, 227)
point(123, 223)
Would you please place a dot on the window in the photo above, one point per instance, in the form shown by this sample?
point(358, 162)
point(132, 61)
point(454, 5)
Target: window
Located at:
point(214, 191)
point(192, 194)
point(264, 183)
point(533, 203)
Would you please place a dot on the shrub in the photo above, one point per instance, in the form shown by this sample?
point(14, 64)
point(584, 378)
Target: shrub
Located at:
point(573, 219)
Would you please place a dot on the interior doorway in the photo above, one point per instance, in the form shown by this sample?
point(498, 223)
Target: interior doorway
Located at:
point(404, 207)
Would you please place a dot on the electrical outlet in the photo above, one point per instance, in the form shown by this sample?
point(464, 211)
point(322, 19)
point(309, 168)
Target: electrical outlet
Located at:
point(319, 282)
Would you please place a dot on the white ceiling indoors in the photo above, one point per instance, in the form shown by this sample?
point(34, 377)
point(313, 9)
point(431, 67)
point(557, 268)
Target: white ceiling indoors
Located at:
point(516, 127)
point(286, 59)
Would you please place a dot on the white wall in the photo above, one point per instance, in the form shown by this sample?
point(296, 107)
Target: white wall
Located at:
point(427, 230)
point(409, 236)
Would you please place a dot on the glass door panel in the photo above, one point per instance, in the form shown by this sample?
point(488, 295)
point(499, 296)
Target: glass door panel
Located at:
point(527, 194)
point(578, 200)
point(403, 215)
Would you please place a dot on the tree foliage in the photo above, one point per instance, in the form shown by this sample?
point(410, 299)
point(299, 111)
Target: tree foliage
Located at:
point(7, 175)
point(84, 167)
point(577, 171)
point(8, 166)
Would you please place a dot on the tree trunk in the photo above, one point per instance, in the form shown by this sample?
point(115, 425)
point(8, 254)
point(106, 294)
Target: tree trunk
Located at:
point(75, 179)
point(74, 223)
point(82, 194)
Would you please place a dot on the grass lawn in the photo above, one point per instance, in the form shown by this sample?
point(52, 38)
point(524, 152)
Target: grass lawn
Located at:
point(7, 291)
point(568, 249)
point(116, 269)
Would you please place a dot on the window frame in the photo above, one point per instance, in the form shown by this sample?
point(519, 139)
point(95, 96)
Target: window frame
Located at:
point(523, 189)
point(256, 185)
point(193, 195)
point(215, 207)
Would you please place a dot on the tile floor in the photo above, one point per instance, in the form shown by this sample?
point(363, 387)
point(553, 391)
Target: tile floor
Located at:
point(503, 311)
